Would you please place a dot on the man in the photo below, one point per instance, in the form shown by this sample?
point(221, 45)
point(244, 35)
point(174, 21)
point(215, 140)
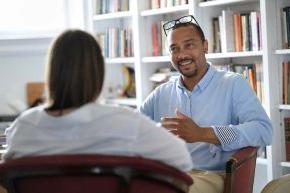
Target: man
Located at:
point(215, 112)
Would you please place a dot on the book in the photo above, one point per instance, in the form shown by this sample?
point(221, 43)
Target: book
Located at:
point(287, 11)
point(254, 30)
point(155, 39)
point(285, 82)
point(284, 29)
point(164, 44)
point(227, 31)
point(238, 32)
point(287, 137)
point(216, 35)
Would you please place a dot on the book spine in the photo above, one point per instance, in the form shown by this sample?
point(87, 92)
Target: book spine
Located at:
point(254, 31)
point(287, 10)
point(228, 21)
point(238, 32)
point(284, 29)
point(287, 137)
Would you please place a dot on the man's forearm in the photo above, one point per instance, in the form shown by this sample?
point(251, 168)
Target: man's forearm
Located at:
point(208, 135)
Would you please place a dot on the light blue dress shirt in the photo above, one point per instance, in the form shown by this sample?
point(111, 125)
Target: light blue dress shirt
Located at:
point(222, 100)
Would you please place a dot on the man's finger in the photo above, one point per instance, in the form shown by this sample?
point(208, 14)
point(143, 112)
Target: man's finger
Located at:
point(173, 119)
point(179, 114)
point(169, 125)
point(173, 131)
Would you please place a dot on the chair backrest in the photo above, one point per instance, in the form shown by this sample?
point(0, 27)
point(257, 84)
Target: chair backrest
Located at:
point(91, 174)
point(279, 185)
point(240, 171)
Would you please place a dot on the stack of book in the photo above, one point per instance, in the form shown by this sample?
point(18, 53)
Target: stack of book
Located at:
point(110, 6)
point(159, 42)
point(116, 42)
point(156, 4)
point(237, 32)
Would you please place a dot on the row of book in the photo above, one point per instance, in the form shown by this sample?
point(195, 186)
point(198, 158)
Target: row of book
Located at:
point(159, 42)
point(287, 137)
point(251, 72)
point(237, 32)
point(110, 6)
point(116, 42)
point(156, 4)
point(286, 27)
point(286, 82)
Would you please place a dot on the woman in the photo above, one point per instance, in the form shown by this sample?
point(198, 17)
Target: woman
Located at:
point(73, 123)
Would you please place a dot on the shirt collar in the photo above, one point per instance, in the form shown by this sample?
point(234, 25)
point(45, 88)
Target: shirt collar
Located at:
point(202, 84)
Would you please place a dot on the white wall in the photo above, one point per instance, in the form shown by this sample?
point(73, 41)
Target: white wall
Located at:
point(21, 61)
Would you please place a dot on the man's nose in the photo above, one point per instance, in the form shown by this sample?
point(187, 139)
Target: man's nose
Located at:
point(180, 54)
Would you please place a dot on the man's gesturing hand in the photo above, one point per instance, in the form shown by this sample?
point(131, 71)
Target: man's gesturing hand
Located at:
point(185, 128)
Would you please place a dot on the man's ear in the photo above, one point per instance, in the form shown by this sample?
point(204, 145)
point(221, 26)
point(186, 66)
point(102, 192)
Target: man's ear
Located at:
point(205, 46)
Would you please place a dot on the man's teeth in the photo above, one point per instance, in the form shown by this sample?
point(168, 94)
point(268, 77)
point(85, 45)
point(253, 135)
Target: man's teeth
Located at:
point(185, 62)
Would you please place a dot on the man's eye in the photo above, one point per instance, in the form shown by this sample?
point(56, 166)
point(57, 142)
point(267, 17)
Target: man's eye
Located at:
point(173, 49)
point(190, 45)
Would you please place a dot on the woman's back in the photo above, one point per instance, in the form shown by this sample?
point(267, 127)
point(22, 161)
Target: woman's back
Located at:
point(94, 128)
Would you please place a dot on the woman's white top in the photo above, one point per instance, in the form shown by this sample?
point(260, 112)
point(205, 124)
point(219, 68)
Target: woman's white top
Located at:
point(94, 129)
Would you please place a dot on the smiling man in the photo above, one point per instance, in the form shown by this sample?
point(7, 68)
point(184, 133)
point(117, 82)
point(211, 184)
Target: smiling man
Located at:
point(215, 112)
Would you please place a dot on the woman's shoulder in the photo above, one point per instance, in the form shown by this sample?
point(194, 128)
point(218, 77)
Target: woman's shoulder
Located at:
point(30, 113)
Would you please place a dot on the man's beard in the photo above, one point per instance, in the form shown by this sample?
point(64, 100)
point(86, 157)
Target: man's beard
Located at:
point(188, 74)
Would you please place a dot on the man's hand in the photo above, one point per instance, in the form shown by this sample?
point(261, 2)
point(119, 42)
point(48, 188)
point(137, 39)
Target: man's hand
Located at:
point(185, 128)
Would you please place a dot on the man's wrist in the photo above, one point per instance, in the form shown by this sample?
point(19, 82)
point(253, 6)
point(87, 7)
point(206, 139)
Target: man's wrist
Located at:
point(208, 135)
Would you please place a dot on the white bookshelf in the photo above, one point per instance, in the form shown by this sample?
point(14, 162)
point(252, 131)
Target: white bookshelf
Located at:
point(160, 11)
point(156, 59)
point(285, 164)
point(281, 55)
point(234, 54)
point(284, 107)
point(262, 161)
point(282, 52)
point(122, 14)
point(141, 17)
point(123, 60)
point(224, 2)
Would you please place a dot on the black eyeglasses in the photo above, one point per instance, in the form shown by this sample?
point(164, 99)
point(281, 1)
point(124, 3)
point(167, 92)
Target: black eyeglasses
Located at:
point(185, 19)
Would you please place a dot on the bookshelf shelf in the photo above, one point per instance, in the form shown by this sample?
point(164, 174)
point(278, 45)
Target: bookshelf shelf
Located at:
point(262, 161)
point(224, 2)
point(120, 60)
point(233, 54)
point(28, 36)
point(283, 51)
point(165, 10)
point(285, 164)
point(284, 107)
point(115, 15)
point(122, 101)
point(156, 59)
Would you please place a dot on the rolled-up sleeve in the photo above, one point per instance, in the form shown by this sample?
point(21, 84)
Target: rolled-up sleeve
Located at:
point(254, 127)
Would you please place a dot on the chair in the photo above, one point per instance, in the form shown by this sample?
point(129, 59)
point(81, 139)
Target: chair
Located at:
point(91, 174)
point(240, 171)
point(279, 185)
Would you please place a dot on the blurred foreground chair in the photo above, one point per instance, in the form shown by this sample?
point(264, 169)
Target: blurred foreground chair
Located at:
point(91, 174)
point(279, 185)
point(240, 171)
